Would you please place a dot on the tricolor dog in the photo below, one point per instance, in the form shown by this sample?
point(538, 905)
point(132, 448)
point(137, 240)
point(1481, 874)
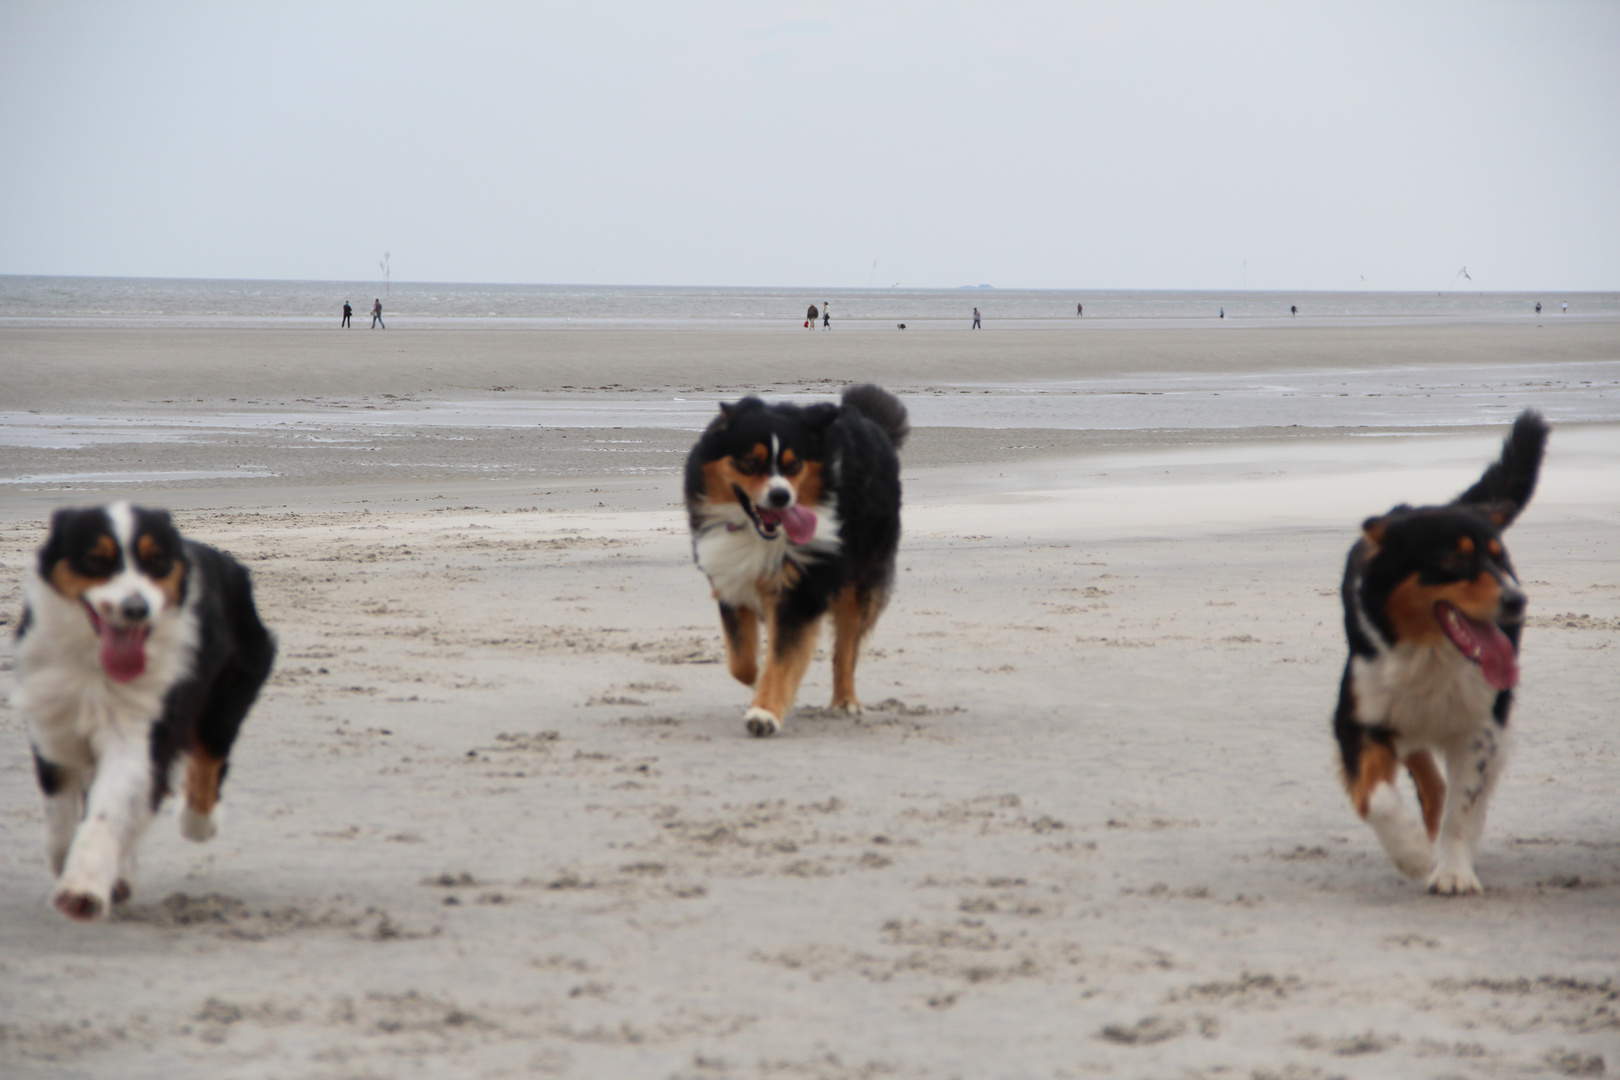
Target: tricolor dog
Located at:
point(138, 652)
point(795, 512)
point(1433, 612)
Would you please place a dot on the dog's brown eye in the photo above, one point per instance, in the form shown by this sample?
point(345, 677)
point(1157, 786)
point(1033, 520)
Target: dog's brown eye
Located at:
point(791, 466)
point(96, 566)
point(748, 466)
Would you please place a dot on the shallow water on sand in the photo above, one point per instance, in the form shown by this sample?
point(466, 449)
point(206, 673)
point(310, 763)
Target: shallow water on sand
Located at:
point(1416, 397)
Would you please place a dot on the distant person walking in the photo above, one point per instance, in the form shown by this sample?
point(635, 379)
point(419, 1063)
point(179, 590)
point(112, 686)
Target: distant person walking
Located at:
point(376, 315)
point(810, 317)
point(1538, 307)
point(1566, 307)
point(975, 318)
point(1079, 310)
point(1223, 313)
point(1293, 309)
point(347, 311)
point(826, 317)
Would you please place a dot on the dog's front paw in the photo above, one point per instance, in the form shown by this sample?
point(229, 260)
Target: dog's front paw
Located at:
point(1455, 881)
point(83, 904)
point(847, 706)
point(195, 826)
point(761, 722)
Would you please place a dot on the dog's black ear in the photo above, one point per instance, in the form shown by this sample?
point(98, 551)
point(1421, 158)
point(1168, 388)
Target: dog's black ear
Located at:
point(1501, 512)
point(54, 548)
point(817, 417)
point(1372, 533)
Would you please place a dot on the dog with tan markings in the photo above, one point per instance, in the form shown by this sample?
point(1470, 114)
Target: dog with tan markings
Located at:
point(1433, 611)
point(139, 653)
point(795, 512)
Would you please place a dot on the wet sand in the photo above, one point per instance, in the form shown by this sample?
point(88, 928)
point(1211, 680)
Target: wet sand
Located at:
point(496, 814)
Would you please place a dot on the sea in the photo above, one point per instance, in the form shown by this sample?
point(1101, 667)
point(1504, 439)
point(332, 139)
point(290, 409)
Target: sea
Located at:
point(102, 301)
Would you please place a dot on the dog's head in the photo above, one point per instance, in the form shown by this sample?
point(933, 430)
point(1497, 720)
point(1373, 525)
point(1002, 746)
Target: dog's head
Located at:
point(126, 567)
point(767, 460)
point(1441, 574)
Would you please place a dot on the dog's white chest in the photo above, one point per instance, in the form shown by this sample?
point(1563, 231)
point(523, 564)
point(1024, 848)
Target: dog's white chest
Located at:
point(738, 561)
point(1429, 696)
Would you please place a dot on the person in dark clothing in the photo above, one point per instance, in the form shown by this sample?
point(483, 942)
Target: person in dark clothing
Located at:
point(975, 318)
point(826, 317)
point(810, 317)
point(376, 315)
point(347, 311)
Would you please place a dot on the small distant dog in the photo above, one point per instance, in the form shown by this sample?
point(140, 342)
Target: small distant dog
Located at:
point(1433, 612)
point(136, 649)
point(795, 511)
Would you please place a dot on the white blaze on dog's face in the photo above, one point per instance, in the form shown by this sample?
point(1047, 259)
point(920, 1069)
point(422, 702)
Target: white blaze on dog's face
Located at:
point(124, 565)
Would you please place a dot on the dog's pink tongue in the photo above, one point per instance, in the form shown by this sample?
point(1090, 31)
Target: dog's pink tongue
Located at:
point(123, 651)
point(1497, 661)
point(1486, 645)
point(800, 524)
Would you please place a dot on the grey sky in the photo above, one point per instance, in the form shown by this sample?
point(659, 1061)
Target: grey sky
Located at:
point(1109, 145)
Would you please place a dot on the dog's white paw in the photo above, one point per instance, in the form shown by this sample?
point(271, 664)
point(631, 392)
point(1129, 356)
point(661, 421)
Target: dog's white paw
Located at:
point(1403, 837)
point(1455, 881)
point(850, 708)
point(761, 722)
point(195, 826)
point(81, 901)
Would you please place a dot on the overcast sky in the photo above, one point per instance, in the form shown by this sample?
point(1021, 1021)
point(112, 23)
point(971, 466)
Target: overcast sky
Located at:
point(1107, 145)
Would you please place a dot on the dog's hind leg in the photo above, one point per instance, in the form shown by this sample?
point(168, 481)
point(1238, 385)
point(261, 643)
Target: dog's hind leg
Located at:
point(1378, 801)
point(62, 788)
point(849, 627)
point(741, 627)
point(1473, 766)
point(203, 774)
point(1431, 789)
point(791, 648)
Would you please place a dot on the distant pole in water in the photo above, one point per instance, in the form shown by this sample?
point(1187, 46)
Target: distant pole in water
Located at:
point(384, 266)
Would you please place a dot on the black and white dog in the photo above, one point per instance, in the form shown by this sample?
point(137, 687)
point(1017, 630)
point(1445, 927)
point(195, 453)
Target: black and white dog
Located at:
point(795, 511)
point(1433, 612)
point(137, 649)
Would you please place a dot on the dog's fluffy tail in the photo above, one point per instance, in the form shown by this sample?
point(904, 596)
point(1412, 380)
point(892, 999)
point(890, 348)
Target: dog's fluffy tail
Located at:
point(1512, 480)
point(882, 408)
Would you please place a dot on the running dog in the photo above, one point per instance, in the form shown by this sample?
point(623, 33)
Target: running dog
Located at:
point(1433, 612)
point(136, 649)
point(794, 511)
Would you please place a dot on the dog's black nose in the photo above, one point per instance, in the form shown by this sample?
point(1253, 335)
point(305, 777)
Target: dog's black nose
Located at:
point(778, 498)
point(134, 609)
point(1512, 605)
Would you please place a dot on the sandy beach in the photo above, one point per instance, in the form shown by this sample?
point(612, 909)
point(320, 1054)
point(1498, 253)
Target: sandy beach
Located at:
point(496, 814)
